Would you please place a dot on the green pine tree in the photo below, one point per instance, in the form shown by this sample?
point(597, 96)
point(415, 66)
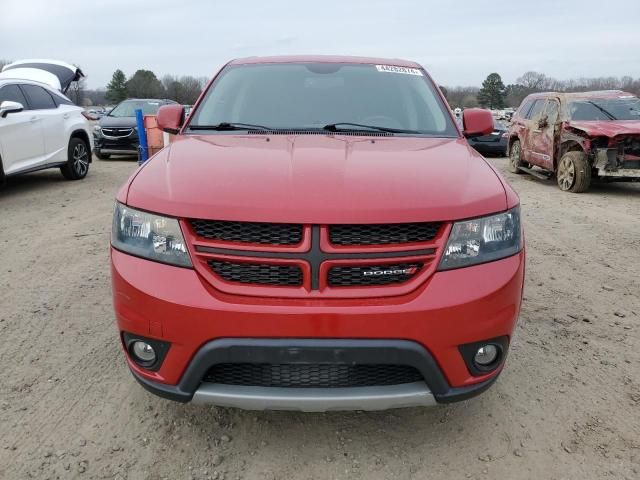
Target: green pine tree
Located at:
point(117, 88)
point(492, 94)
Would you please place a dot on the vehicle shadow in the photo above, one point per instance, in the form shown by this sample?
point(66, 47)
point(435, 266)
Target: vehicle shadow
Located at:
point(31, 181)
point(335, 435)
point(615, 189)
point(598, 187)
point(118, 158)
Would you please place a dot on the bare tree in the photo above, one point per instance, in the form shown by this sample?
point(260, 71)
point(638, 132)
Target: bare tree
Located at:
point(191, 88)
point(533, 81)
point(76, 90)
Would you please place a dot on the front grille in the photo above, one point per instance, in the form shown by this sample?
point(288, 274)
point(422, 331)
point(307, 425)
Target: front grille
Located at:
point(249, 232)
point(257, 273)
point(117, 132)
point(368, 275)
point(311, 375)
point(383, 234)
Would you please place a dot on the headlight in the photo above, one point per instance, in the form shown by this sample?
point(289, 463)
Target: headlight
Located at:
point(149, 236)
point(97, 129)
point(483, 240)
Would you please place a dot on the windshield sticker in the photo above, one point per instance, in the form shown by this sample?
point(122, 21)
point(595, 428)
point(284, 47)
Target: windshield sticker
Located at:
point(394, 69)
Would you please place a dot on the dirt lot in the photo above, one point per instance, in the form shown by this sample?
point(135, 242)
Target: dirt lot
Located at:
point(566, 407)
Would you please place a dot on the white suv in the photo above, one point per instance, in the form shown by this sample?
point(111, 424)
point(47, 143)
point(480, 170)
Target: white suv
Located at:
point(39, 126)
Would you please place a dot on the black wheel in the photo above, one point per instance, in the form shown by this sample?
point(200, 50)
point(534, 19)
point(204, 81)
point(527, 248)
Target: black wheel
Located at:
point(574, 172)
point(515, 158)
point(78, 158)
point(102, 156)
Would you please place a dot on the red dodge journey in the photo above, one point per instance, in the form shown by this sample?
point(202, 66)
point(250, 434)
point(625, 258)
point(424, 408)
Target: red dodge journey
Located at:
point(319, 236)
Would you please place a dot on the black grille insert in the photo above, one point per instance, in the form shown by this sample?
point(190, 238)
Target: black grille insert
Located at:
point(383, 234)
point(258, 273)
point(351, 276)
point(311, 375)
point(249, 232)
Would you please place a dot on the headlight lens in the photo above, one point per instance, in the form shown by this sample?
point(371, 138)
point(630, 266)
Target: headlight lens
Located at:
point(483, 240)
point(97, 129)
point(149, 236)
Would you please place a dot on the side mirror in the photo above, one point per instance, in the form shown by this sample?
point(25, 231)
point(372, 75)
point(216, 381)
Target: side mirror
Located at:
point(476, 122)
point(8, 107)
point(170, 118)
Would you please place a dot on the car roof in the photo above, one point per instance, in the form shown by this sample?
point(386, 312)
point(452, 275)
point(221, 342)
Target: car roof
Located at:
point(325, 59)
point(46, 86)
point(578, 95)
point(25, 80)
point(147, 100)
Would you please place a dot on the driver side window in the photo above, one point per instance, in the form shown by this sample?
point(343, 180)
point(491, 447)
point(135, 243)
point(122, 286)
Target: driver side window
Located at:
point(551, 111)
point(536, 109)
point(12, 93)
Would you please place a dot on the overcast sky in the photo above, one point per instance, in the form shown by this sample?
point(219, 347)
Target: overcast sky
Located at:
point(459, 42)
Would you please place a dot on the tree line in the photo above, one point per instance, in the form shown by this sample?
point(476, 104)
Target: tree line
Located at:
point(495, 94)
point(145, 84)
point(492, 94)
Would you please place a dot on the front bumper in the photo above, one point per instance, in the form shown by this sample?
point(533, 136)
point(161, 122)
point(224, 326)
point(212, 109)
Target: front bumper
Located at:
point(116, 145)
point(450, 309)
point(434, 389)
point(499, 147)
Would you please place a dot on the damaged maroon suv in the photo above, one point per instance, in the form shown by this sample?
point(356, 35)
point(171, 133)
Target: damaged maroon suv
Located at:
point(578, 137)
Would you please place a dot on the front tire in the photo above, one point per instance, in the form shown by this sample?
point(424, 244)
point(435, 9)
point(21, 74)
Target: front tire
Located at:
point(574, 172)
point(78, 156)
point(515, 158)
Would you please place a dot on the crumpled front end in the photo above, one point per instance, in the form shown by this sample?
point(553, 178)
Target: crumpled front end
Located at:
point(617, 157)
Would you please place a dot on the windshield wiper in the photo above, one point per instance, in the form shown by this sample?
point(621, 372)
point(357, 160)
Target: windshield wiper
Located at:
point(337, 127)
point(226, 126)
point(602, 110)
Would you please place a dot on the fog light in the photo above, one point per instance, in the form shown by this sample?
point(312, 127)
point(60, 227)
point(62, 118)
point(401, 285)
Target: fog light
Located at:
point(143, 352)
point(486, 355)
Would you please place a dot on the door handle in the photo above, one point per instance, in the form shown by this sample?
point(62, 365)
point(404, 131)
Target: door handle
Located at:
point(34, 119)
point(65, 116)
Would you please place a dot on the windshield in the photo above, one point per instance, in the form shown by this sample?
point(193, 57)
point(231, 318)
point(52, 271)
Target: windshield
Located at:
point(620, 108)
point(128, 108)
point(314, 95)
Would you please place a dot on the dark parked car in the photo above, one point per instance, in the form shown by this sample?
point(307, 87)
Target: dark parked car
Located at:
point(116, 132)
point(493, 144)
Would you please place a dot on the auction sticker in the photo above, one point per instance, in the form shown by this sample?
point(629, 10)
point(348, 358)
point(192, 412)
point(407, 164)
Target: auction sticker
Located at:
point(395, 69)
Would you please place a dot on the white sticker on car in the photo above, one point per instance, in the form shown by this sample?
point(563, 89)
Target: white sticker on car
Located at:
point(396, 69)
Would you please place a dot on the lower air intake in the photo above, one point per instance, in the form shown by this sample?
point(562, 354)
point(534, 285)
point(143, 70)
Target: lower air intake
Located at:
point(311, 375)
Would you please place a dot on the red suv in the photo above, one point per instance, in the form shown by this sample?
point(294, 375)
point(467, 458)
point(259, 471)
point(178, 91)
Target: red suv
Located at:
point(319, 236)
point(577, 137)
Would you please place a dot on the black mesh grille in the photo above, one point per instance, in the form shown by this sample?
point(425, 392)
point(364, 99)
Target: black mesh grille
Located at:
point(383, 234)
point(249, 232)
point(258, 273)
point(311, 375)
point(372, 274)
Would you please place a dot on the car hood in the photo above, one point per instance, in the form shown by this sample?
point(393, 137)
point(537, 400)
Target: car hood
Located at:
point(317, 179)
point(107, 121)
point(610, 128)
point(56, 74)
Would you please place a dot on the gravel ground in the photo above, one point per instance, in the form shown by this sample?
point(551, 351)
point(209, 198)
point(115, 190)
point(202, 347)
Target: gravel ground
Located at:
point(566, 407)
